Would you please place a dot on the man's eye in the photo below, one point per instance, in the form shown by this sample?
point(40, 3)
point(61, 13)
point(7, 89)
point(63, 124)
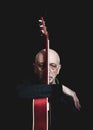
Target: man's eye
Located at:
point(42, 66)
point(53, 66)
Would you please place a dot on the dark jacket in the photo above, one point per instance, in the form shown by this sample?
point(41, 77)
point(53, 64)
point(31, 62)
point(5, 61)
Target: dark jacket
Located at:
point(27, 91)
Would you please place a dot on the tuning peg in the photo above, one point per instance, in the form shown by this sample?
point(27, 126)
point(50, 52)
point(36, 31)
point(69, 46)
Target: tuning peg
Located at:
point(42, 31)
point(40, 20)
point(41, 26)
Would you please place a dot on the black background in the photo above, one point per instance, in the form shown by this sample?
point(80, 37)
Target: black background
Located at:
point(69, 28)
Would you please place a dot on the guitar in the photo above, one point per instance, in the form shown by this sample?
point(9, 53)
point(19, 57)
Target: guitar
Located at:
point(41, 105)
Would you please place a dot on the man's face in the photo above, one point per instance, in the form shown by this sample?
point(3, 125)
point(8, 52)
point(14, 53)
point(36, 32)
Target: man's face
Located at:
point(40, 67)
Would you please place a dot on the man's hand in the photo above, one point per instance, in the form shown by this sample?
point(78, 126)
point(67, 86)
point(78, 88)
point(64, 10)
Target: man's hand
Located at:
point(72, 93)
point(76, 101)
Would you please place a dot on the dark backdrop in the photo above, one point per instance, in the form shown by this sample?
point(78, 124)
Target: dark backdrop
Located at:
point(69, 35)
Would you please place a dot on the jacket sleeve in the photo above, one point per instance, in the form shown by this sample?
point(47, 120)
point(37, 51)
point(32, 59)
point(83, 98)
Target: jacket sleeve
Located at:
point(37, 91)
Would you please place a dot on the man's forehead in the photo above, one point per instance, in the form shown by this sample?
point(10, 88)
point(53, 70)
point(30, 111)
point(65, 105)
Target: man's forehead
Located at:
point(41, 57)
point(53, 57)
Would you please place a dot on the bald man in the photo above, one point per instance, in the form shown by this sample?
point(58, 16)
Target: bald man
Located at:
point(54, 69)
point(37, 88)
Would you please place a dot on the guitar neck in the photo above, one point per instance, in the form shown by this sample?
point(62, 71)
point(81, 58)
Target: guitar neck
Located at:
point(47, 61)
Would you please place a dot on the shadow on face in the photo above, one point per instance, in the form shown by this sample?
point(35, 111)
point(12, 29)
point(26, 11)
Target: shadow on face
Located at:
point(53, 65)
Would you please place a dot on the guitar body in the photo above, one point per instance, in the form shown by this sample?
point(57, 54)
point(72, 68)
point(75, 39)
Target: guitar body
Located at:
point(40, 114)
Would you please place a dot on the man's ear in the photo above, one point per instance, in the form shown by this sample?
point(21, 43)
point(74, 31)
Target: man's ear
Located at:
point(59, 67)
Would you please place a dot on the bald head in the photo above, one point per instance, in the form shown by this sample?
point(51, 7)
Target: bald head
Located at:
point(53, 55)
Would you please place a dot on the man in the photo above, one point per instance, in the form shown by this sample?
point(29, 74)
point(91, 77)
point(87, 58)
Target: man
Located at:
point(37, 88)
point(54, 69)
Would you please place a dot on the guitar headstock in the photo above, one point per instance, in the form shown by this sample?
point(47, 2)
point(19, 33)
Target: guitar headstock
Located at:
point(43, 27)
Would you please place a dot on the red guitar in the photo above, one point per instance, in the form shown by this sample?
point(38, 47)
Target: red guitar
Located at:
point(41, 105)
